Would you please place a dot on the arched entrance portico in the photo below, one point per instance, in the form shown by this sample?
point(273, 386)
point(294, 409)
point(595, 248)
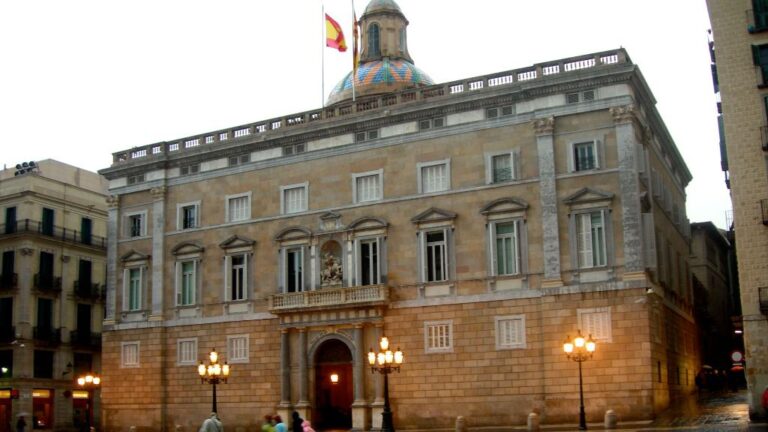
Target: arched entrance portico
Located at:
point(332, 408)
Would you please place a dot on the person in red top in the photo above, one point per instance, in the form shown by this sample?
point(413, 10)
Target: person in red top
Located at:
point(765, 399)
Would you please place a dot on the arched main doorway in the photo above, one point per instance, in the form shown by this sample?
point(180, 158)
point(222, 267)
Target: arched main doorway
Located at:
point(333, 401)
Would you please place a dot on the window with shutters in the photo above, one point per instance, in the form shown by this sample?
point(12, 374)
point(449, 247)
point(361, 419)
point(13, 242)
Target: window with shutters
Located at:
point(186, 351)
point(496, 112)
point(367, 186)
point(293, 198)
point(294, 269)
point(238, 207)
point(294, 149)
point(132, 286)
point(369, 264)
point(506, 248)
point(366, 135)
point(510, 332)
point(239, 160)
point(760, 59)
point(596, 322)
point(237, 349)
point(187, 215)
point(135, 224)
point(129, 355)
point(374, 47)
point(501, 166)
point(438, 337)
point(189, 169)
point(585, 156)
point(237, 277)
point(435, 256)
point(432, 123)
point(186, 282)
point(434, 176)
point(590, 239)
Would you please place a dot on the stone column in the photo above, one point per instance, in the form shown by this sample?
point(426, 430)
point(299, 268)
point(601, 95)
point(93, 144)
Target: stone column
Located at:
point(378, 404)
point(629, 186)
point(284, 408)
point(302, 407)
point(113, 217)
point(359, 406)
point(158, 253)
point(545, 145)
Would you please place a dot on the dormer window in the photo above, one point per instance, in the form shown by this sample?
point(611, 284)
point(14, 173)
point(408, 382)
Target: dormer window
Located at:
point(374, 47)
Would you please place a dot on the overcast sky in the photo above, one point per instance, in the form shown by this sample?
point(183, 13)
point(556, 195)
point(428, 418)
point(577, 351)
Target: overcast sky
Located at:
point(81, 79)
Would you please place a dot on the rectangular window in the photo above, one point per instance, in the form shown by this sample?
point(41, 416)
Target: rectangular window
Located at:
point(8, 278)
point(129, 355)
point(186, 351)
point(367, 186)
point(43, 364)
point(46, 228)
point(238, 207)
point(596, 322)
point(434, 177)
point(294, 258)
point(10, 220)
point(438, 336)
point(437, 122)
point(136, 179)
point(760, 10)
point(436, 258)
point(294, 199)
point(584, 156)
point(369, 262)
point(45, 279)
point(188, 216)
point(590, 239)
point(507, 248)
point(502, 168)
point(510, 332)
point(86, 230)
point(237, 349)
point(239, 160)
point(294, 149)
point(135, 224)
point(189, 169)
point(760, 58)
point(186, 285)
point(366, 135)
point(134, 289)
point(238, 277)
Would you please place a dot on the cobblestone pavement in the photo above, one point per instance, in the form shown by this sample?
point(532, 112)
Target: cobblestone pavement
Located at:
point(710, 412)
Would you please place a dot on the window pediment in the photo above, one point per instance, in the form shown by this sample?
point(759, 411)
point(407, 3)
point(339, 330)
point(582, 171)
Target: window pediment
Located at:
point(186, 248)
point(133, 256)
point(588, 197)
point(237, 241)
point(366, 223)
point(293, 233)
point(433, 215)
point(505, 205)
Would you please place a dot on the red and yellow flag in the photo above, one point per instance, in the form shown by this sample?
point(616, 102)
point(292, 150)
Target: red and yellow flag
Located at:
point(355, 37)
point(334, 37)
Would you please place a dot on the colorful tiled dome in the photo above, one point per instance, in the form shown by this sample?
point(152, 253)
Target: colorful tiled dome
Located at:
point(380, 76)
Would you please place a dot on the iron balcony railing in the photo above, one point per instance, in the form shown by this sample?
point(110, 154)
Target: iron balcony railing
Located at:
point(85, 339)
point(48, 335)
point(84, 290)
point(7, 334)
point(329, 297)
point(9, 281)
point(47, 282)
point(28, 226)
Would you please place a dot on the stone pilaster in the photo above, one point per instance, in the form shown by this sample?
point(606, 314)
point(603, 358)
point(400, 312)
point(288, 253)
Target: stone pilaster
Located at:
point(545, 145)
point(359, 406)
point(158, 253)
point(625, 121)
point(25, 298)
point(303, 372)
point(378, 404)
point(285, 368)
point(113, 218)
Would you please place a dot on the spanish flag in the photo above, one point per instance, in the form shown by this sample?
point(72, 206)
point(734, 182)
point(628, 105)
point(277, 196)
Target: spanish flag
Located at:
point(334, 37)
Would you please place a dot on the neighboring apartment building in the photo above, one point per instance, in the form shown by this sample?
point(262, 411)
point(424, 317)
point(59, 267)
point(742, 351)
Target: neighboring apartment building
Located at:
point(740, 31)
point(53, 245)
point(476, 223)
point(716, 297)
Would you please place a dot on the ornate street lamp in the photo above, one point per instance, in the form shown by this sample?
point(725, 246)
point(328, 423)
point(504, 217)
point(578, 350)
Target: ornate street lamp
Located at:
point(580, 350)
point(89, 383)
point(214, 373)
point(385, 362)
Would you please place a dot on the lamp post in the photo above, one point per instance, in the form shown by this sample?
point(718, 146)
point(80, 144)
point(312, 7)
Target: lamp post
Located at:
point(385, 362)
point(580, 350)
point(89, 383)
point(214, 373)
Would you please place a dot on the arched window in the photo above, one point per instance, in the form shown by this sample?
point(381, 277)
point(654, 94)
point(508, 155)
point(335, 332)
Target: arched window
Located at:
point(374, 49)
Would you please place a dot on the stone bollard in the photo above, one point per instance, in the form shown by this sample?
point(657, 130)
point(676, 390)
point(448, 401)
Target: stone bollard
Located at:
point(533, 421)
point(461, 425)
point(611, 420)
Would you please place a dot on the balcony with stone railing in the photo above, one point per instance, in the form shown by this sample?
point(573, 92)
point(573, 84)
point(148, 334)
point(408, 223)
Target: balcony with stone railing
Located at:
point(329, 298)
point(528, 76)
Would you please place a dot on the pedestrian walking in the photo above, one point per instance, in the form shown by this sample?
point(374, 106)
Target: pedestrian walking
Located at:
point(279, 425)
point(212, 424)
point(296, 422)
point(267, 426)
point(21, 424)
point(307, 426)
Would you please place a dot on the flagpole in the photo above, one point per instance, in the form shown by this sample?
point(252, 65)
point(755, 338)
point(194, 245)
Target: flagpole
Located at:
point(354, 49)
point(322, 55)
